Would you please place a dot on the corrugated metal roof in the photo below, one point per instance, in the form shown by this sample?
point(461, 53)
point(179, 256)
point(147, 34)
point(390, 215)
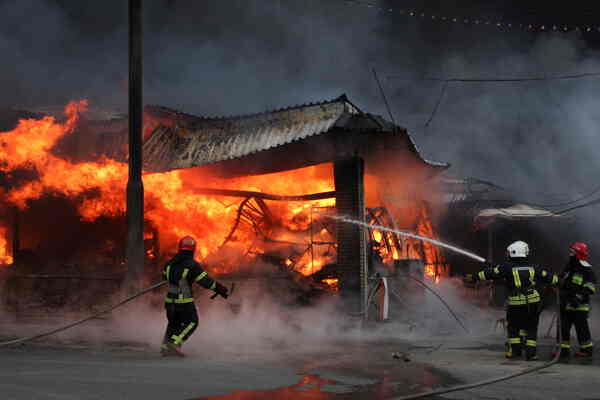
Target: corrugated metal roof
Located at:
point(198, 141)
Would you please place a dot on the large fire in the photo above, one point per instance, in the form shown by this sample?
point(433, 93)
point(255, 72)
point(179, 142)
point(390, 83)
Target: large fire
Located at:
point(175, 205)
point(171, 201)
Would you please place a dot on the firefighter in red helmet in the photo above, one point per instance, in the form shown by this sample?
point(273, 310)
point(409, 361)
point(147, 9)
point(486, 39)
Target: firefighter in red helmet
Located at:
point(181, 272)
point(578, 283)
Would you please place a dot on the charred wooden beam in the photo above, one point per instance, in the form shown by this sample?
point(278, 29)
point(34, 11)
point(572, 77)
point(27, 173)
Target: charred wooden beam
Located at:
point(265, 196)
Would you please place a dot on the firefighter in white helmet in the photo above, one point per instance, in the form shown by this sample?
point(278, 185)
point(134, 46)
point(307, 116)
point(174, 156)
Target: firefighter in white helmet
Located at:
point(523, 302)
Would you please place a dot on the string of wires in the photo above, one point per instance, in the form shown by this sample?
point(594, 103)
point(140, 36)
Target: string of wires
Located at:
point(517, 79)
point(497, 23)
point(446, 81)
point(559, 208)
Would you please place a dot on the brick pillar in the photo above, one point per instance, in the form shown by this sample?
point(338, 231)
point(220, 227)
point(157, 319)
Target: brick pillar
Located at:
point(351, 252)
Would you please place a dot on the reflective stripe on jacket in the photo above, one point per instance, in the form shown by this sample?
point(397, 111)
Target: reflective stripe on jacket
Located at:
point(520, 279)
point(181, 273)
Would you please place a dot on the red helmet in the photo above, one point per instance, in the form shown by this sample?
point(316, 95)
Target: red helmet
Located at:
point(581, 250)
point(187, 243)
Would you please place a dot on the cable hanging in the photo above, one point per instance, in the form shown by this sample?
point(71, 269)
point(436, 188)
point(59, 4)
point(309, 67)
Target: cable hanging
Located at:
point(523, 79)
point(503, 25)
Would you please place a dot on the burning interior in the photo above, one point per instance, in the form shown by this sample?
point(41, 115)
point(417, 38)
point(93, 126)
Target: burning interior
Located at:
point(256, 191)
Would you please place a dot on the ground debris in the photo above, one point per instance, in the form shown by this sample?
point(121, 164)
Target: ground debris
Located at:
point(401, 356)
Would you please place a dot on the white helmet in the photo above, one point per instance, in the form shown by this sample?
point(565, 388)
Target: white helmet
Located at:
point(518, 249)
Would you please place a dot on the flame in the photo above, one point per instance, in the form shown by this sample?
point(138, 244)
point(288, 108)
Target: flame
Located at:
point(174, 205)
point(5, 258)
point(435, 264)
point(333, 283)
point(171, 201)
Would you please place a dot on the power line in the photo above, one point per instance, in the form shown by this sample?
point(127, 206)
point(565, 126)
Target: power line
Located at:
point(486, 80)
point(384, 98)
point(566, 203)
point(524, 79)
point(491, 22)
point(437, 104)
point(589, 203)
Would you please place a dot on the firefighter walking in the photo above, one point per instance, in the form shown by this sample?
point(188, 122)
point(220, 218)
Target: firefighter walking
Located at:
point(181, 272)
point(523, 302)
point(578, 283)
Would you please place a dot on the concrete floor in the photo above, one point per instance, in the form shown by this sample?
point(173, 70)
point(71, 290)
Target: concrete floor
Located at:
point(340, 370)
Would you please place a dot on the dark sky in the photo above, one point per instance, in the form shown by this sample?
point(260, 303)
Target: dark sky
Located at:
point(225, 57)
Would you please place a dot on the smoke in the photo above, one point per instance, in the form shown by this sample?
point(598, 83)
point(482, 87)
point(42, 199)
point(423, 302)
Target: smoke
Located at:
point(263, 318)
point(538, 139)
point(235, 57)
point(256, 320)
point(419, 315)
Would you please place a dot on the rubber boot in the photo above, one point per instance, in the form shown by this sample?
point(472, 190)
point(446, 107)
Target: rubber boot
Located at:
point(514, 351)
point(171, 350)
point(530, 353)
point(585, 353)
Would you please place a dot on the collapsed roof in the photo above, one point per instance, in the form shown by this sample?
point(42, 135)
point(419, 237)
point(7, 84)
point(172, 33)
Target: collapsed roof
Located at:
point(274, 141)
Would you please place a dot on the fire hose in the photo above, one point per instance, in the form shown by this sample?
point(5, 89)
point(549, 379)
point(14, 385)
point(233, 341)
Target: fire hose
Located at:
point(95, 315)
point(478, 258)
point(492, 380)
point(348, 220)
point(81, 321)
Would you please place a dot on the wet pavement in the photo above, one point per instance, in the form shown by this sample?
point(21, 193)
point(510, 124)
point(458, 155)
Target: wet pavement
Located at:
point(352, 370)
point(313, 387)
point(121, 371)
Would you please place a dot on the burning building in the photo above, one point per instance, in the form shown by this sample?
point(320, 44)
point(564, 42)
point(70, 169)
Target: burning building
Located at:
point(256, 189)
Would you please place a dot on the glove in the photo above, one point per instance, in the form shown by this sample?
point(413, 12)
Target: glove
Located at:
point(221, 290)
point(469, 278)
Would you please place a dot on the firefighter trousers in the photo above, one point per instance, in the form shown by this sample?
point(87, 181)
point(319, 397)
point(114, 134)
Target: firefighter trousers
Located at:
point(568, 318)
point(182, 322)
point(522, 320)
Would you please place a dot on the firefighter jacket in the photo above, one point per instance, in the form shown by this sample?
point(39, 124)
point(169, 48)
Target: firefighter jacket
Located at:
point(181, 272)
point(579, 282)
point(520, 280)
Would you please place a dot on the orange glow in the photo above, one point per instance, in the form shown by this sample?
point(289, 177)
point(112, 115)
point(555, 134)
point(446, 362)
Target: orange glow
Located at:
point(5, 258)
point(174, 205)
point(409, 248)
point(333, 283)
point(172, 202)
point(429, 270)
point(377, 235)
point(435, 265)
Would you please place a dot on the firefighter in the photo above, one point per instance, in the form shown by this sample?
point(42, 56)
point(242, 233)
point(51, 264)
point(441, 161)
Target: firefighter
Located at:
point(523, 302)
point(578, 283)
point(181, 272)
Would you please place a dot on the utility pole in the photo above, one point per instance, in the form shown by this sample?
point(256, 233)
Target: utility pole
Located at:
point(135, 186)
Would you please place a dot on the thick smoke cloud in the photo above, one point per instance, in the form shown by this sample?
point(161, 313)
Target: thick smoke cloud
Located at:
point(538, 139)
